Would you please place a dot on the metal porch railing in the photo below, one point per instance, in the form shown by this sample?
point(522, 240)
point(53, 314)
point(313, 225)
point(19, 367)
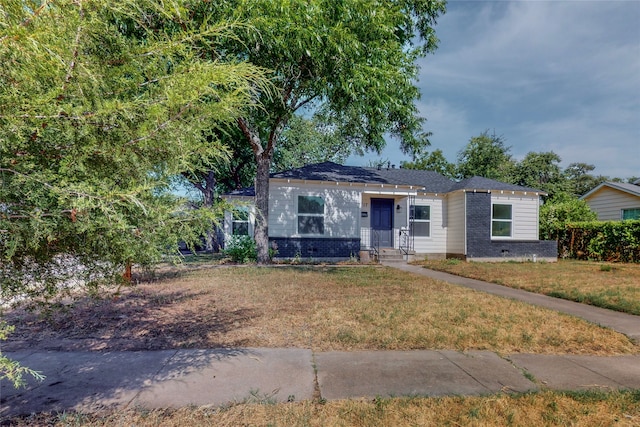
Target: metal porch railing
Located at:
point(405, 241)
point(370, 241)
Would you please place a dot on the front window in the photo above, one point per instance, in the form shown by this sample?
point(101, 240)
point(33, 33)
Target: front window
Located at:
point(420, 220)
point(631, 213)
point(240, 223)
point(310, 215)
point(501, 220)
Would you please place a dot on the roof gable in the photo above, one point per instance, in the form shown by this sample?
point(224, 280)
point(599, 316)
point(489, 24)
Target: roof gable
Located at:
point(632, 189)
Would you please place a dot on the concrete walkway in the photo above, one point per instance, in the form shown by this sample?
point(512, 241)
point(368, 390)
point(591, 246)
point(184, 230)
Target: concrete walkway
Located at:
point(627, 324)
point(94, 381)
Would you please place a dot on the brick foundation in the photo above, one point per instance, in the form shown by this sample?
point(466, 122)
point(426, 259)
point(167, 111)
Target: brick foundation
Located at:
point(309, 247)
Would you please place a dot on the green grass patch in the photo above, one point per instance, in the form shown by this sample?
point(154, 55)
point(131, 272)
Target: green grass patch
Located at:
point(615, 287)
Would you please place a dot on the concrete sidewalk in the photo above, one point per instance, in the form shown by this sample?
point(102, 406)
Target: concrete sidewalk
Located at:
point(627, 324)
point(91, 381)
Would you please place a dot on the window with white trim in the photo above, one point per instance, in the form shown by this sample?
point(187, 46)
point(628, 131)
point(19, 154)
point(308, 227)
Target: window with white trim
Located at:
point(501, 220)
point(240, 223)
point(420, 220)
point(310, 215)
point(633, 213)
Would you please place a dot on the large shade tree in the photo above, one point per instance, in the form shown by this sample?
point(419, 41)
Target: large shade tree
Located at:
point(100, 104)
point(353, 59)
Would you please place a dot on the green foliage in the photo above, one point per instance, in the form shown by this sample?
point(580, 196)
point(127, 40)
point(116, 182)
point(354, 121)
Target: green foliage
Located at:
point(433, 161)
point(100, 104)
point(353, 60)
point(10, 369)
point(306, 141)
point(541, 171)
point(241, 249)
point(580, 180)
point(602, 240)
point(487, 156)
point(556, 213)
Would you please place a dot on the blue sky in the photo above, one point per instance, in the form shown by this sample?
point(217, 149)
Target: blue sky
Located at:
point(560, 76)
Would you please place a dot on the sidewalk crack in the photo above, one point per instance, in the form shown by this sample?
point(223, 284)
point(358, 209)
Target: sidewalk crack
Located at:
point(153, 377)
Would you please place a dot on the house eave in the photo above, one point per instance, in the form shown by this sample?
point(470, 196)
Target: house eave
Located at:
point(610, 185)
point(368, 186)
point(501, 192)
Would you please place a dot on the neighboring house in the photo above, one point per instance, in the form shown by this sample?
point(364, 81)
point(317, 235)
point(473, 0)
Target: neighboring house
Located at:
point(327, 210)
point(615, 201)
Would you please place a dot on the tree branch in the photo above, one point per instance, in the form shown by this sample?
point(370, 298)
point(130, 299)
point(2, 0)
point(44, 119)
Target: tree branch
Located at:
point(36, 13)
point(161, 126)
point(74, 56)
point(253, 139)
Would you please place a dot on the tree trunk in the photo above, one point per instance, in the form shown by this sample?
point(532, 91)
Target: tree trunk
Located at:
point(127, 272)
point(263, 163)
point(208, 193)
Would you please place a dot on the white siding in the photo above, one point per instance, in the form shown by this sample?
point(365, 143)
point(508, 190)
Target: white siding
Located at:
point(455, 214)
point(609, 202)
point(436, 243)
point(341, 208)
point(525, 214)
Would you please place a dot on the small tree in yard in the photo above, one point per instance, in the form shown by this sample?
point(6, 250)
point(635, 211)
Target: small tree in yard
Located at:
point(101, 103)
point(557, 212)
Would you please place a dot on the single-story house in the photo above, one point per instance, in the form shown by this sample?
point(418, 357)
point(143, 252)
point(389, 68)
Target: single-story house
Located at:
point(615, 201)
point(327, 210)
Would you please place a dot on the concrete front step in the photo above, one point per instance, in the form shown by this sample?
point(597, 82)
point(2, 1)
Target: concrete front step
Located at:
point(391, 255)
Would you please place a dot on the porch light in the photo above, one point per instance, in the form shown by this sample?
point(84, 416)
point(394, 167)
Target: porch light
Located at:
point(398, 207)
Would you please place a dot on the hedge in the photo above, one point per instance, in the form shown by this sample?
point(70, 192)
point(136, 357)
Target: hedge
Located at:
point(601, 241)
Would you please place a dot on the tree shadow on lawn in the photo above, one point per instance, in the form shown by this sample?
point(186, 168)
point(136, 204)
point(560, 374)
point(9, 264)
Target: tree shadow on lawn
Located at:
point(95, 353)
point(95, 382)
point(138, 319)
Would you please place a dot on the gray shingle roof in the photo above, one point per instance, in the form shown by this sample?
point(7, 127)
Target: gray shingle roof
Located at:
point(480, 183)
point(329, 171)
point(243, 192)
point(430, 181)
point(622, 186)
point(433, 182)
point(630, 188)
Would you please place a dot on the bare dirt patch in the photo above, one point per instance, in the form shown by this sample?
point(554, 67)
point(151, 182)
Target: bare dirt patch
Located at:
point(322, 308)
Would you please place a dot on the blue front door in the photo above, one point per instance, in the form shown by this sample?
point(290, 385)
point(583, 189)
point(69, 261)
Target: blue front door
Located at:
point(382, 222)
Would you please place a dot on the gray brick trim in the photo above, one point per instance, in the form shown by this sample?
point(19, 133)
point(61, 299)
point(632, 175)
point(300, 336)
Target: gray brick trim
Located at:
point(309, 247)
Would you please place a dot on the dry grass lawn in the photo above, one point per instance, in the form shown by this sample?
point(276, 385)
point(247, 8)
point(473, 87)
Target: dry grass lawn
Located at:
point(537, 409)
point(327, 308)
point(608, 285)
point(321, 308)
